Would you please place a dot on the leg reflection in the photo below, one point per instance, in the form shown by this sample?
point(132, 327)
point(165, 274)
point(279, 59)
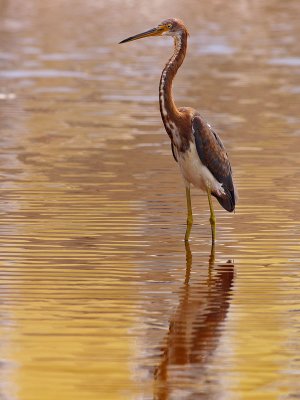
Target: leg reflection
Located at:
point(189, 260)
point(194, 329)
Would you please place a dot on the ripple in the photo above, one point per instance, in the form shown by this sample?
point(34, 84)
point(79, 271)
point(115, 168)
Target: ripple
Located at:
point(287, 61)
point(21, 74)
point(100, 296)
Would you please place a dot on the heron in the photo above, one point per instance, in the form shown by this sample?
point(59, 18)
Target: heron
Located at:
point(196, 147)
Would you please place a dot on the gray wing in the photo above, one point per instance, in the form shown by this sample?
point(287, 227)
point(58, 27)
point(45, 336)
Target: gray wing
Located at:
point(213, 155)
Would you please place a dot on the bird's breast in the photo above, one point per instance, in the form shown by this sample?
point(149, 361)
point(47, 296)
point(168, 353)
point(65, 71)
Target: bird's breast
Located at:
point(173, 132)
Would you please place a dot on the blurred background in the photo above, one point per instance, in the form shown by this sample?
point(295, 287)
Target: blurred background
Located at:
point(100, 298)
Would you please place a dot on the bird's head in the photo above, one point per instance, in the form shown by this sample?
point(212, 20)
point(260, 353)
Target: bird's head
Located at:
point(169, 27)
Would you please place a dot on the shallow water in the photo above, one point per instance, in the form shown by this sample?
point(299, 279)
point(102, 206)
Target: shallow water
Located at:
point(100, 298)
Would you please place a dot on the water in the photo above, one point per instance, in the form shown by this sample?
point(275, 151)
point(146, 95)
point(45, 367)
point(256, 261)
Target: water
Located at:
point(100, 298)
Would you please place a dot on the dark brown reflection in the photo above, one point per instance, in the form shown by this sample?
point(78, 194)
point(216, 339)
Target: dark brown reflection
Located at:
point(195, 329)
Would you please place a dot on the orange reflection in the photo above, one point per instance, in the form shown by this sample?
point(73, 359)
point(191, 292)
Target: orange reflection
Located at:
point(194, 330)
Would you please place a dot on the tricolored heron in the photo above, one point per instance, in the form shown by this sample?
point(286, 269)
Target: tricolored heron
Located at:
point(199, 151)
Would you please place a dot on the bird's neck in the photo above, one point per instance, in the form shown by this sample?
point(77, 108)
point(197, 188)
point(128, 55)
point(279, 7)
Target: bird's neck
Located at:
point(169, 111)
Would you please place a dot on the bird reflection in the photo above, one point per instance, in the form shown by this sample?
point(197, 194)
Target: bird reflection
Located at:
point(194, 329)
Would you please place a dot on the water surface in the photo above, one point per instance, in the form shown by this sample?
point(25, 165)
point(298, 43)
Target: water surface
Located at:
point(100, 298)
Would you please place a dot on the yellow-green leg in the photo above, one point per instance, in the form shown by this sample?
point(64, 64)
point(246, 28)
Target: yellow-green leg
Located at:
point(189, 221)
point(212, 218)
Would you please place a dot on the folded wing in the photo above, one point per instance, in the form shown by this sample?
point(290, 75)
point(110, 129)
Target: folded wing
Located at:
point(213, 155)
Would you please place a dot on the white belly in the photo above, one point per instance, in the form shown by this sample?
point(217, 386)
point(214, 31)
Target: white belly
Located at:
point(195, 172)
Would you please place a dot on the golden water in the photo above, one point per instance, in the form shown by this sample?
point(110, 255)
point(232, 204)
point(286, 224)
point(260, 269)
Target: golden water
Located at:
point(99, 297)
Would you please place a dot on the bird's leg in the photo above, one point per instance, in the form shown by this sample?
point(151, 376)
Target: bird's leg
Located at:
point(212, 218)
point(189, 221)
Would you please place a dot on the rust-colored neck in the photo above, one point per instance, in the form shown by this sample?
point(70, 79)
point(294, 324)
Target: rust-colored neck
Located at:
point(169, 111)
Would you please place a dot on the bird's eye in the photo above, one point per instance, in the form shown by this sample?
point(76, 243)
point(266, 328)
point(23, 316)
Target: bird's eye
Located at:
point(169, 26)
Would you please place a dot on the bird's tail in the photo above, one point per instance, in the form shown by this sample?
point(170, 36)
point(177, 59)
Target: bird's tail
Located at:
point(227, 200)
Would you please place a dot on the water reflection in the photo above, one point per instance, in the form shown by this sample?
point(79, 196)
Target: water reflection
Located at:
point(92, 208)
point(194, 330)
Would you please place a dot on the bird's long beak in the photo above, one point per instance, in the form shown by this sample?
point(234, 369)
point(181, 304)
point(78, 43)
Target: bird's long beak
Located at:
point(151, 32)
